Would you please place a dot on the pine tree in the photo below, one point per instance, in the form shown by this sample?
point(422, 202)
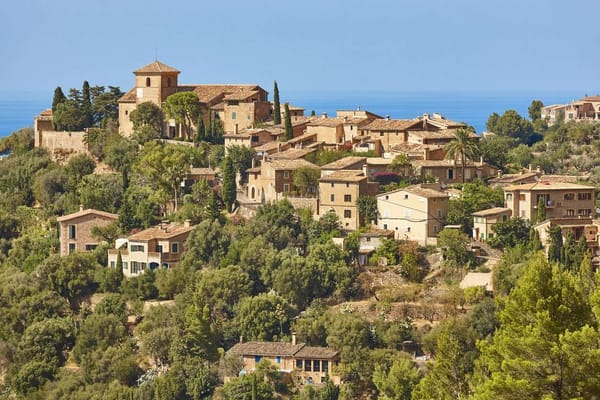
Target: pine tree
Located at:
point(229, 187)
point(86, 104)
point(289, 130)
point(276, 105)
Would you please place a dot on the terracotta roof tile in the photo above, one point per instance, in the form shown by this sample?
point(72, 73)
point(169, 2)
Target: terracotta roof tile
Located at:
point(490, 211)
point(155, 67)
point(344, 176)
point(129, 97)
point(391, 124)
point(316, 353)
point(156, 232)
point(290, 164)
point(344, 163)
point(266, 349)
point(544, 185)
point(89, 211)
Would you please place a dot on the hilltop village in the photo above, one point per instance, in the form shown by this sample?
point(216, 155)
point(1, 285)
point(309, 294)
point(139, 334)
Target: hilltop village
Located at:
point(198, 241)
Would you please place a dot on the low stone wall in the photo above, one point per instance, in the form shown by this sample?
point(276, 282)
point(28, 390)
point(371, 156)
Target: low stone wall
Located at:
point(61, 144)
point(305, 202)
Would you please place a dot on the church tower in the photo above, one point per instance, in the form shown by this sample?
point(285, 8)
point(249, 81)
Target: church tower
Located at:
point(155, 82)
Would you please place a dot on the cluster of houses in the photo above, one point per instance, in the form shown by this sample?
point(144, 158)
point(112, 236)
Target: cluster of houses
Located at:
point(414, 213)
point(586, 109)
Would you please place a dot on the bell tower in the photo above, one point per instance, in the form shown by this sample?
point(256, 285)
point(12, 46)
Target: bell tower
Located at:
point(155, 82)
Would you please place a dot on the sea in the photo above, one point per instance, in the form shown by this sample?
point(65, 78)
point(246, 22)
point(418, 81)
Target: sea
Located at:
point(17, 110)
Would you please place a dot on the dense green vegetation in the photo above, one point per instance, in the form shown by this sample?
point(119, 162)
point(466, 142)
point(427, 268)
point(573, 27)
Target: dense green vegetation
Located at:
point(71, 328)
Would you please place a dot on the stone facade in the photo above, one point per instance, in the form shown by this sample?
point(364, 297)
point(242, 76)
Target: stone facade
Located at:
point(76, 230)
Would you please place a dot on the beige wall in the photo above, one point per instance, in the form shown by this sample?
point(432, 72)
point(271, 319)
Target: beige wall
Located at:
point(328, 134)
point(149, 254)
point(83, 232)
point(483, 226)
point(524, 203)
point(412, 217)
point(61, 142)
point(340, 204)
point(125, 124)
point(246, 114)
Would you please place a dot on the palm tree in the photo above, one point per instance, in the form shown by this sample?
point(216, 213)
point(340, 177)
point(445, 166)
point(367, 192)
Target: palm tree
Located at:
point(462, 147)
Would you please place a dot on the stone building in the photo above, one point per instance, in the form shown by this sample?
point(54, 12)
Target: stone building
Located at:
point(76, 229)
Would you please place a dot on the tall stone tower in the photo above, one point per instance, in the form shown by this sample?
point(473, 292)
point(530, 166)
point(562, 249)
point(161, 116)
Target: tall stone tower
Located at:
point(153, 82)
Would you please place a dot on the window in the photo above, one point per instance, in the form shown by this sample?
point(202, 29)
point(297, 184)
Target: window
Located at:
point(159, 248)
point(504, 218)
point(405, 197)
point(257, 359)
point(570, 213)
point(347, 213)
point(584, 196)
point(71, 247)
point(255, 139)
point(325, 366)
point(147, 82)
point(408, 229)
point(384, 226)
point(307, 365)
point(135, 267)
point(347, 185)
point(348, 198)
point(136, 247)
point(569, 196)
point(233, 115)
point(286, 187)
point(299, 364)
point(113, 264)
point(90, 247)
point(286, 174)
point(380, 133)
point(509, 196)
point(332, 198)
point(439, 213)
point(521, 197)
point(435, 229)
point(175, 248)
point(125, 266)
point(72, 232)
point(585, 212)
point(316, 366)
point(450, 174)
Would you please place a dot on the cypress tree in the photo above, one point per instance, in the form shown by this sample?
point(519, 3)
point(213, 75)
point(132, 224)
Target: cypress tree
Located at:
point(276, 105)
point(541, 210)
point(229, 189)
point(313, 113)
point(119, 267)
point(201, 135)
point(289, 130)
point(86, 104)
point(59, 97)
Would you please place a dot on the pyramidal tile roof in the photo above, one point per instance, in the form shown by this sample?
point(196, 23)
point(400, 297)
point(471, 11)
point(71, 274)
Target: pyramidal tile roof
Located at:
point(155, 66)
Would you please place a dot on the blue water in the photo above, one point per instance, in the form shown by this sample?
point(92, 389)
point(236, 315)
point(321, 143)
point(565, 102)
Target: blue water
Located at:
point(18, 110)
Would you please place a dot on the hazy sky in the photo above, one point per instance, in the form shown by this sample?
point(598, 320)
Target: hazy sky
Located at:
point(354, 45)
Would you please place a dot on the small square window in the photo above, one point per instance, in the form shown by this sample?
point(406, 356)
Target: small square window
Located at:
point(174, 247)
point(71, 248)
point(347, 213)
point(348, 198)
point(286, 187)
point(286, 174)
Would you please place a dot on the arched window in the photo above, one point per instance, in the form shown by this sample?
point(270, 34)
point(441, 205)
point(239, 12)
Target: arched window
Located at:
point(147, 82)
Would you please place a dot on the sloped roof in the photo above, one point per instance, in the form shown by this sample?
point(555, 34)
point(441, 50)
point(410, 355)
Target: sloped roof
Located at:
point(327, 122)
point(391, 124)
point(419, 190)
point(474, 279)
point(490, 211)
point(272, 349)
point(129, 97)
point(279, 349)
point(155, 67)
point(344, 163)
point(290, 164)
point(544, 185)
point(158, 232)
point(344, 176)
point(89, 211)
point(291, 154)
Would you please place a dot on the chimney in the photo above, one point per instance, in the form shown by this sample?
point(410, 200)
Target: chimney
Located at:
point(236, 129)
point(387, 117)
point(253, 162)
point(241, 338)
point(81, 207)
point(426, 116)
point(499, 173)
point(358, 108)
point(538, 169)
point(187, 223)
point(324, 115)
point(530, 167)
point(293, 338)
